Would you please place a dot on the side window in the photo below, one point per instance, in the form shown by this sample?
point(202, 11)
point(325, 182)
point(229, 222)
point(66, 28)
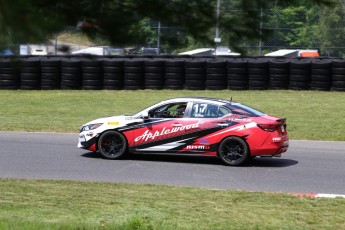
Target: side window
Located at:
point(223, 111)
point(173, 110)
point(204, 110)
point(198, 110)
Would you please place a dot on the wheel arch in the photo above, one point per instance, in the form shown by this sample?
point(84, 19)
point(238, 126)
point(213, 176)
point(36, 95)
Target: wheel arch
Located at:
point(106, 130)
point(244, 138)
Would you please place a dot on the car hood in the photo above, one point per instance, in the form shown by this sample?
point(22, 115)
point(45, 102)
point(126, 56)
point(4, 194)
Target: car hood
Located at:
point(113, 121)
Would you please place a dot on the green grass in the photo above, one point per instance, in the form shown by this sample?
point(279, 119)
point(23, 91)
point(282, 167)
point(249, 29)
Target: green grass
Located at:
point(41, 204)
point(310, 115)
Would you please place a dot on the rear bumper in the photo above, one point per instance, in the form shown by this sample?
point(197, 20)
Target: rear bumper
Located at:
point(274, 147)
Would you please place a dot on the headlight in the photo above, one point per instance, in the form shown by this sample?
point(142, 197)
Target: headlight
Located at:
point(90, 127)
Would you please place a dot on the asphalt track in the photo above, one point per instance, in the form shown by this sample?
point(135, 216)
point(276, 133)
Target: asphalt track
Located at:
point(307, 167)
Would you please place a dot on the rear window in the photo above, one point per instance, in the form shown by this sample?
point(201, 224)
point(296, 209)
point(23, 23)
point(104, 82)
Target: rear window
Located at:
point(245, 110)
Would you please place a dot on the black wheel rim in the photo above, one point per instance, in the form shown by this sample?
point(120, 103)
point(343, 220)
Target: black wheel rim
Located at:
point(112, 145)
point(232, 151)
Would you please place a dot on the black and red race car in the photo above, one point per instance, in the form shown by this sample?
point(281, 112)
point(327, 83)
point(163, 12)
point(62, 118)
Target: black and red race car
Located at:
point(189, 126)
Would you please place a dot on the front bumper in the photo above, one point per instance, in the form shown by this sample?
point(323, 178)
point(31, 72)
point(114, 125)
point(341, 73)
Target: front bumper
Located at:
point(87, 142)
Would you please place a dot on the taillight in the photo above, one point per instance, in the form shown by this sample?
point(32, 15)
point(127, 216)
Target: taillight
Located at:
point(268, 127)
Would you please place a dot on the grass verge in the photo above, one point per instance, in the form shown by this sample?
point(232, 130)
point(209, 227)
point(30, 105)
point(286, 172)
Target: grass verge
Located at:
point(42, 204)
point(310, 115)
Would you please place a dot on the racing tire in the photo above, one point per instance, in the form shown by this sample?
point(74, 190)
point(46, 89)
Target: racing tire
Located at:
point(300, 78)
point(276, 71)
point(243, 83)
point(173, 69)
point(281, 64)
point(233, 151)
point(338, 89)
point(178, 63)
point(237, 63)
point(338, 63)
point(113, 62)
point(240, 71)
point(297, 85)
point(337, 77)
point(237, 77)
point(303, 64)
point(338, 84)
point(110, 69)
point(195, 71)
point(277, 77)
point(112, 145)
point(276, 84)
point(173, 87)
point(257, 71)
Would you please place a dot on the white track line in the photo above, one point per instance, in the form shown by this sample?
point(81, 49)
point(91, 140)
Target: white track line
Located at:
point(319, 195)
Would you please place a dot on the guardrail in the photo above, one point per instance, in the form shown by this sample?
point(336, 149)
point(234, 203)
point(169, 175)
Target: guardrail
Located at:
point(171, 72)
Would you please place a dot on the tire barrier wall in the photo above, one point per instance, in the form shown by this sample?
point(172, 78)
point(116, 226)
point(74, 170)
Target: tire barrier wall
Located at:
point(173, 72)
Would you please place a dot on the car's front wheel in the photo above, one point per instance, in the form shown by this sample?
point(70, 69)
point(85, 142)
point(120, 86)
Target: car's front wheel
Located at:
point(112, 145)
point(233, 151)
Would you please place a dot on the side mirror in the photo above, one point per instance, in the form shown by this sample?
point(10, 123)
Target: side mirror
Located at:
point(144, 116)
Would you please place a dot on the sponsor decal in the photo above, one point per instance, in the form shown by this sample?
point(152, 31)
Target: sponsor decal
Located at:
point(198, 147)
point(204, 141)
point(113, 123)
point(149, 136)
point(90, 134)
point(240, 120)
point(276, 139)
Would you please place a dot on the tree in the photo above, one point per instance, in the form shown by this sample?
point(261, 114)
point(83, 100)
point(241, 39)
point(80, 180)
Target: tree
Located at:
point(332, 30)
point(119, 21)
point(295, 26)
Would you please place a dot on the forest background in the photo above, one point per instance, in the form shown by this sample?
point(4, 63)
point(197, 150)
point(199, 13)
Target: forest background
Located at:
point(249, 27)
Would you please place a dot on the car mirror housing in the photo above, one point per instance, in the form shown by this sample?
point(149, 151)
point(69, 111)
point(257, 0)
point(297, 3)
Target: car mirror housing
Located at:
point(144, 116)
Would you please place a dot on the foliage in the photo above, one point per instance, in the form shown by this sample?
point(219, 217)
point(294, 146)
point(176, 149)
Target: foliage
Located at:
point(121, 21)
point(332, 30)
point(300, 25)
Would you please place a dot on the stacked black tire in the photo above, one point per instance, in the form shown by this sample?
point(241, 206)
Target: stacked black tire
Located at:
point(195, 74)
point(216, 75)
point(71, 73)
point(92, 76)
point(50, 73)
point(258, 74)
point(113, 73)
point(168, 72)
point(279, 71)
point(299, 74)
point(30, 74)
point(338, 75)
point(134, 76)
point(154, 74)
point(237, 74)
point(9, 74)
point(174, 74)
point(321, 75)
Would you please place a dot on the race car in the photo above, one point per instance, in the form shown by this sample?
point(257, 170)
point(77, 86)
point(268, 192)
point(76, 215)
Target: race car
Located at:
point(226, 129)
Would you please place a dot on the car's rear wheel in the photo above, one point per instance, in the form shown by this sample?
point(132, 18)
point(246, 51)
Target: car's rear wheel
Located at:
point(233, 151)
point(112, 145)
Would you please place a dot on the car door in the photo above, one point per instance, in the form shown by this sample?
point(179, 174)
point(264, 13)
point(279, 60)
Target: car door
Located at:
point(163, 130)
point(206, 118)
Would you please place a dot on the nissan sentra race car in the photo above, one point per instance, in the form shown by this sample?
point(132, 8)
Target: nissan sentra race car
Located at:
point(189, 126)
